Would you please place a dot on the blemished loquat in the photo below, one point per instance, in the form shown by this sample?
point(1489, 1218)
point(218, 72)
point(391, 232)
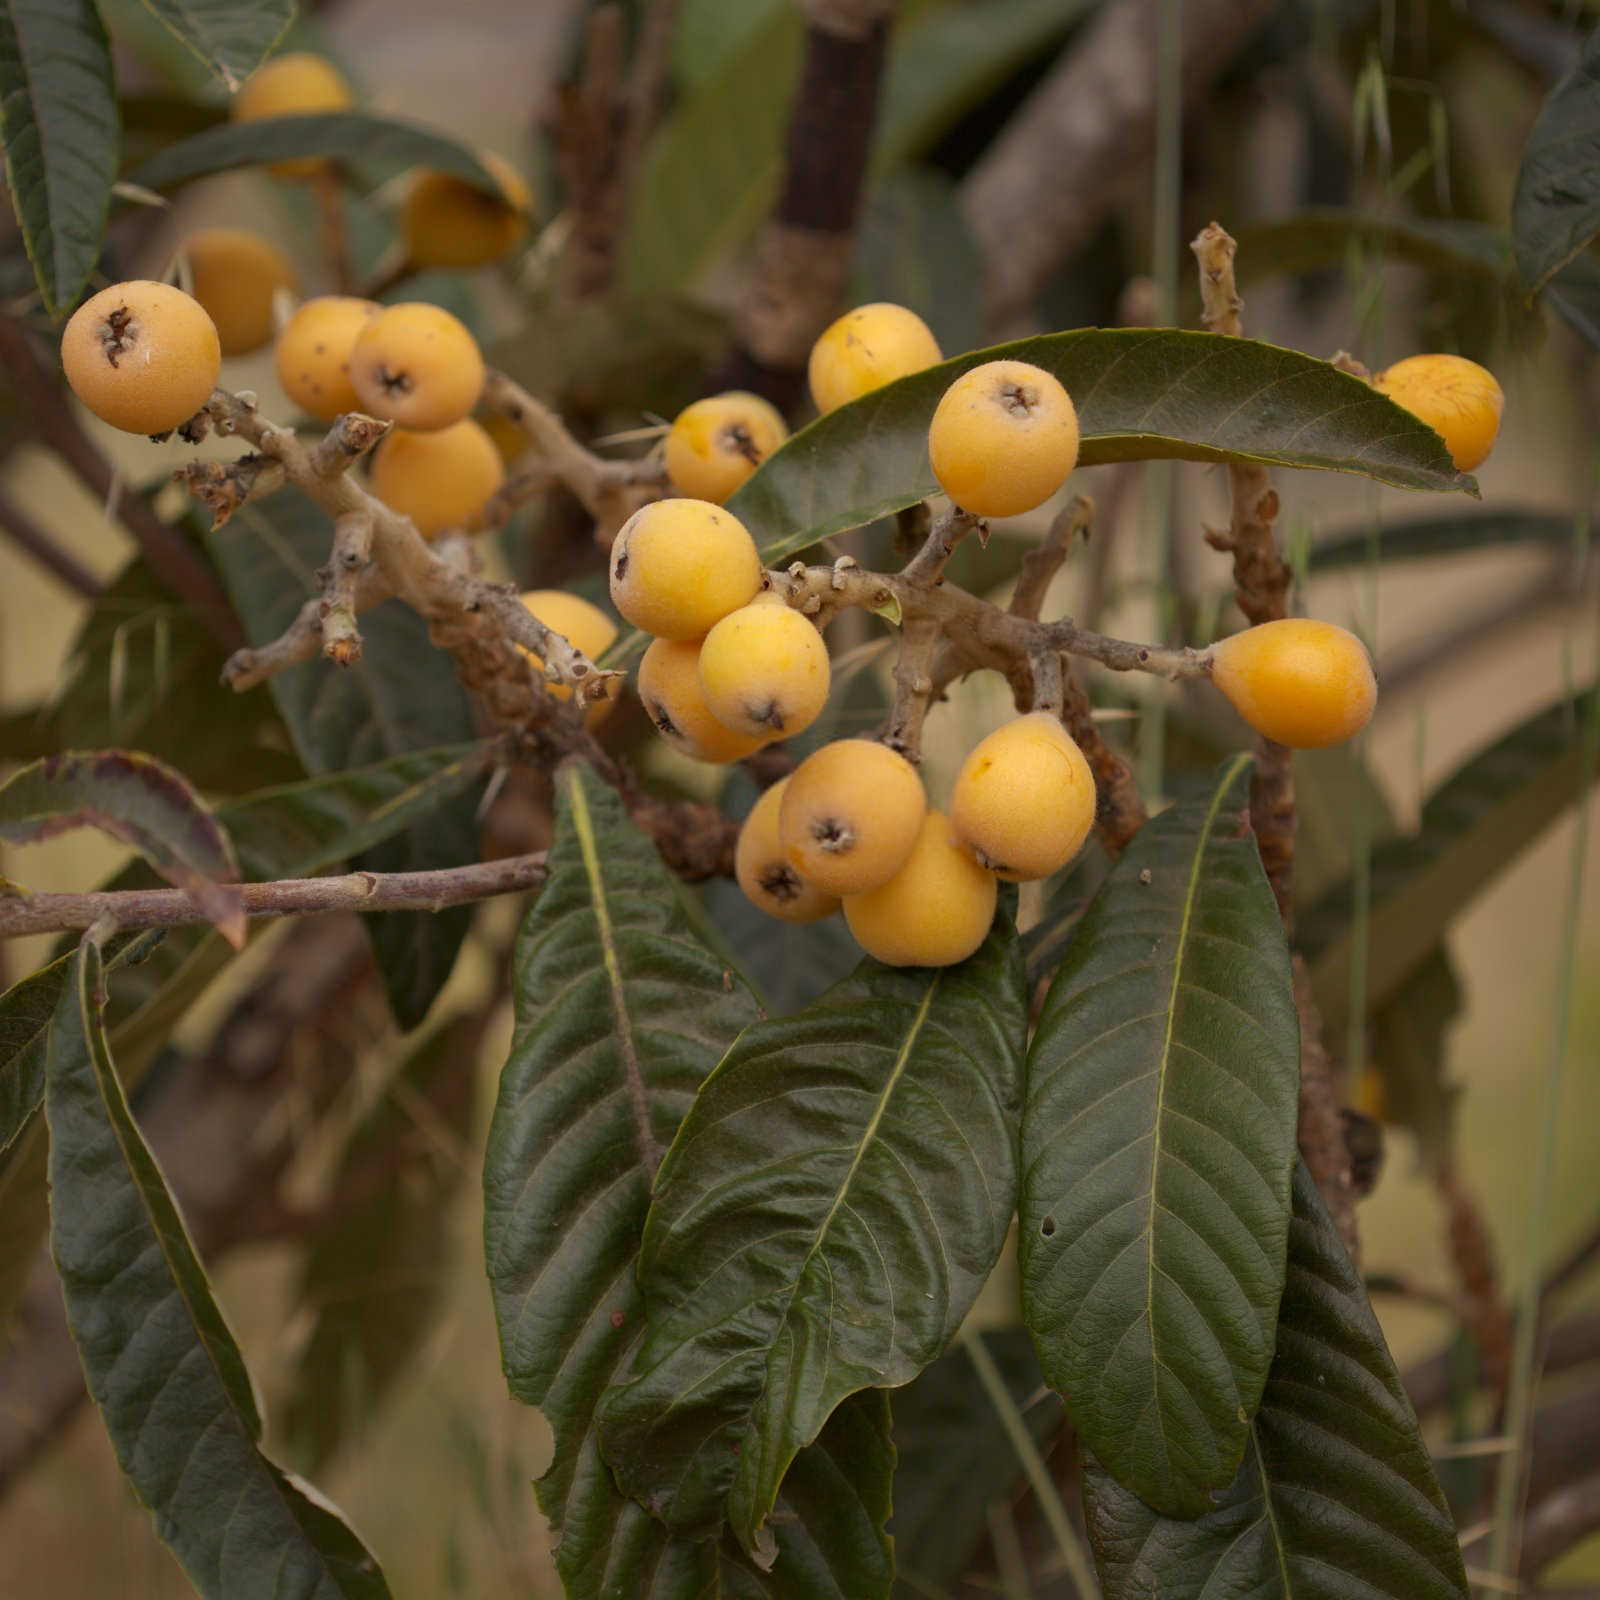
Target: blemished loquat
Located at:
point(769, 882)
point(865, 349)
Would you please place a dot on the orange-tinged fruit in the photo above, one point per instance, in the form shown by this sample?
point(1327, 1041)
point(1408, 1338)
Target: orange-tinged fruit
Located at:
point(417, 364)
point(1457, 398)
point(934, 912)
point(769, 882)
point(440, 479)
point(867, 348)
point(1301, 682)
point(678, 567)
point(716, 443)
point(142, 356)
point(448, 222)
point(237, 275)
point(1003, 438)
point(669, 688)
point(298, 84)
point(312, 354)
point(584, 626)
point(764, 670)
point(850, 815)
point(1024, 800)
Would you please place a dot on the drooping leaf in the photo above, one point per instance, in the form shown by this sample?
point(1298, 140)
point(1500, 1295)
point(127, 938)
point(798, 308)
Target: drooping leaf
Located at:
point(1574, 295)
point(158, 1357)
point(58, 122)
point(232, 37)
point(342, 135)
point(1336, 1496)
point(1157, 1141)
point(824, 1219)
point(1556, 209)
point(950, 1440)
point(1473, 826)
point(141, 802)
point(402, 696)
point(1423, 538)
point(1139, 392)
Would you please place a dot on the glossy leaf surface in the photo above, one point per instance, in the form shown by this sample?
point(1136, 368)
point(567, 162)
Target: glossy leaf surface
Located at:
point(1157, 1142)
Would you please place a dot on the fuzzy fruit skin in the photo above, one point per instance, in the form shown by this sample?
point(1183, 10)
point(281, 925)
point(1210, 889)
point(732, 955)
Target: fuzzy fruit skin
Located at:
point(1457, 398)
point(669, 687)
point(295, 85)
point(236, 276)
point(582, 625)
point(678, 567)
point(934, 912)
point(769, 882)
point(1003, 438)
point(440, 479)
point(850, 815)
point(1301, 682)
point(417, 364)
point(716, 443)
point(764, 671)
point(867, 348)
point(448, 222)
point(142, 356)
point(312, 354)
point(1024, 800)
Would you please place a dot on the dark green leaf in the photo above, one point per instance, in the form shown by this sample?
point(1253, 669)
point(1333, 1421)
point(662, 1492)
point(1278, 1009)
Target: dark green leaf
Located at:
point(232, 37)
point(344, 135)
point(157, 1355)
point(1423, 538)
point(1409, 1032)
point(1336, 1497)
point(824, 1219)
point(1473, 827)
point(1157, 1141)
point(1574, 295)
point(58, 122)
point(949, 1440)
point(1556, 209)
point(1140, 393)
point(141, 802)
point(1323, 237)
point(402, 696)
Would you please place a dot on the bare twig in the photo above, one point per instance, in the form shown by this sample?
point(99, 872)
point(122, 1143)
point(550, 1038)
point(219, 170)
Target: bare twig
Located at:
point(354, 891)
point(28, 536)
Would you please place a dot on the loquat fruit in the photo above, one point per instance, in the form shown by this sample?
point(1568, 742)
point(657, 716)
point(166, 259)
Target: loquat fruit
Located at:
point(678, 567)
point(1301, 682)
point(237, 275)
point(312, 354)
point(716, 443)
point(669, 688)
point(142, 356)
point(1457, 398)
point(764, 670)
point(448, 222)
point(764, 873)
point(582, 625)
point(867, 348)
point(1003, 438)
point(850, 815)
point(418, 364)
point(440, 479)
point(298, 84)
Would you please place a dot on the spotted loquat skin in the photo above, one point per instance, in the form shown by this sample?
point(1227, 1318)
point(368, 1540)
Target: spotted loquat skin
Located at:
point(1024, 800)
point(450, 223)
point(237, 276)
point(581, 624)
point(865, 349)
point(716, 443)
point(312, 355)
point(418, 365)
point(441, 480)
point(297, 84)
point(678, 567)
point(1304, 683)
point(142, 356)
point(764, 671)
point(934, 911)
point(769, 882)
point(1458, 399)
point(1003, 438)
point(669, 688)
point(850, 815)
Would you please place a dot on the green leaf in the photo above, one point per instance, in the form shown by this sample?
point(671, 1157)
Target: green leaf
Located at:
point(1324, 235)
point(1574, 295)
point(232, 37)
point(1336, 1496)
point(343, 135)
point(140, 802)
point(158, 1357)
point(58, 122)
point(1141, 393)
point(824, 1219)
point(1157, 1141)
point(1424, 538)
point(1473, 826)
point(1556, 209)
point(402, 696)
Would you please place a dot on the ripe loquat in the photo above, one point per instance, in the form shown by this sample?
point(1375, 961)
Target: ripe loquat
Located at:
point(418, 364)
point(764, 872)
point(678, 567)
point(448, 222)
point(669, 687)
point(716, 443)
point(298, 84)
point(582, 625)
point(764, 670)
point(850, 815)
point(1457, 398)
point(237, 275)
point(867, 348)
point(312, 354)
point(440, 479)
point(1301, 682)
